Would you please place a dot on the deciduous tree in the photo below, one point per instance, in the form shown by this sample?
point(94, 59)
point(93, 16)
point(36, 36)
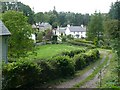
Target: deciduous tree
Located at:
point(19, 42)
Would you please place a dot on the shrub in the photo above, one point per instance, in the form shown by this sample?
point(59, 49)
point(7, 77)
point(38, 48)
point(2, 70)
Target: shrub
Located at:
point(54, 39)
point(20, 74)
point(63, 65)
point(80, 61)
point(73, 42)
point(47, 71)
point(72, 53)
point(84, 59)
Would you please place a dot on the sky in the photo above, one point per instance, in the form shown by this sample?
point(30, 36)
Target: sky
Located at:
point(77, 6)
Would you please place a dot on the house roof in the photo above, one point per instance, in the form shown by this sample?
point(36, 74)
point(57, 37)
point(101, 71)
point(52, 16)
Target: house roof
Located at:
point(77, 29)
point(62, 30)
point(3, 29)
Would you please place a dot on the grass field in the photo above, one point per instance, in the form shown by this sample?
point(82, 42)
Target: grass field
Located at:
point(47, 51)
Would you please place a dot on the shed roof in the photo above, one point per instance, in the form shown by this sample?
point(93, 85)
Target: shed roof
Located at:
point(77, 29)
point(3, 29)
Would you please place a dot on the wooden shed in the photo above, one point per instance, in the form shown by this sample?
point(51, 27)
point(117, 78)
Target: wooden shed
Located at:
point(4, 34)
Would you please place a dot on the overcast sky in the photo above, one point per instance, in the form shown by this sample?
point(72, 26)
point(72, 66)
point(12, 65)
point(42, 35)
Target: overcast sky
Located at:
point(80, 6)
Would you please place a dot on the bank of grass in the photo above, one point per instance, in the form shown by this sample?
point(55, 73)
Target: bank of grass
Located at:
point(110, 74)
point(48, 51)
point(93, 74)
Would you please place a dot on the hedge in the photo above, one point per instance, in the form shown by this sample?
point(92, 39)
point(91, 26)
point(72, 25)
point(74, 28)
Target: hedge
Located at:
point(73, 52)
point(73, 42)
point(84, 59)
point(20, 74)
point(63, 65)
point(24, 73)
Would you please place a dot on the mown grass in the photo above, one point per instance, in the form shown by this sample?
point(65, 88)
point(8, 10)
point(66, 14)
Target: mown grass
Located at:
point(92, 75)
point(50, 50)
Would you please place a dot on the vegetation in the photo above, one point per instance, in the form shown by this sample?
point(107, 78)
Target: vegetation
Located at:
point(20, 74)
point(42, 71)
point(50, 50)
point(112, 27)
point(19, 42)
point(95, 27)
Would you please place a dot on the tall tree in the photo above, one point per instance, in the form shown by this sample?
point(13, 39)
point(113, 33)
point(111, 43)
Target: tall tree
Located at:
point(19, 7)
point(115, 10)
point(19, 42)
point(113, 30)
point(95, 27)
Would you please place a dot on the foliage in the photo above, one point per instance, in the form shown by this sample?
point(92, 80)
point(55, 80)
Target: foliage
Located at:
point(19, 7)
point(63, 65)
point(115, 10)
point(20, 74)
point(64, 38)
point(73, 42)
point(84, 59)
point(84, 41)
point(39, 37)
point(54, 39)
point(72, 53)
point(47, 71)
point(51, 50)
point(80, 61)
point(95, 27)
point(19, 42)
point(48, 35)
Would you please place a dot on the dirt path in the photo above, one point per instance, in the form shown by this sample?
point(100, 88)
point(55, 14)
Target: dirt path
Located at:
point(71, 83)
point(96, 80)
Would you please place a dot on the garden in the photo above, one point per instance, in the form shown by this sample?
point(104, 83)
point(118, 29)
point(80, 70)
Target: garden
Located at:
point(51, 62)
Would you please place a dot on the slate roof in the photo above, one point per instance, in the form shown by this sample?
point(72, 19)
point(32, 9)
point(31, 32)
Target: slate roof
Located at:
point(62, 30)
point(77, 29)
point(3, 29)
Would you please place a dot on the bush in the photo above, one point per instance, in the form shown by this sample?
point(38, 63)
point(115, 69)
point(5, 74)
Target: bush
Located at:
point(63, 65)
point(84, 59)
point(73, 42)
point(20, 74)
point(80, 61)
point(47, 71)
point(72, 53)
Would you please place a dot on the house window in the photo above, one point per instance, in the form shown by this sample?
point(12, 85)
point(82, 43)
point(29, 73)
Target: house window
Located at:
point(74, 32)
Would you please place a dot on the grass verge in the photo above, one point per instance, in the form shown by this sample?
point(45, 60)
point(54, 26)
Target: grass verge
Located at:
point(93, 74)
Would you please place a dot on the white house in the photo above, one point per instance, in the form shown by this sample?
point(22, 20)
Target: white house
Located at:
point(75, 31)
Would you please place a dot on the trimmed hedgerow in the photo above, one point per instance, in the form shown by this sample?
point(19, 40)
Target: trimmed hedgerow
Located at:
point(80, 61)
point(47, 71)
point(73, 42)
point(20, 74)
point(63, 65)
point(73, 52)
point(24, 73)
point(84, 59)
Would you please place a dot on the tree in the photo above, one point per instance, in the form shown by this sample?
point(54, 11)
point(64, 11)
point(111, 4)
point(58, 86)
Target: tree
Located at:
point(112, 26)
point(113, 29)
point(95, 27)
point(115, 11)
point(19, 7)
point(19, 42)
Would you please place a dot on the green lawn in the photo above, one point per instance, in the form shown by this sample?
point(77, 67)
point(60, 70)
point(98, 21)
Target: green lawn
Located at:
point(47, 51)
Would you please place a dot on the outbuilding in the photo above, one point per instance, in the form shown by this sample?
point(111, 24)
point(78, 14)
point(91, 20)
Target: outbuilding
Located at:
point(4, 35)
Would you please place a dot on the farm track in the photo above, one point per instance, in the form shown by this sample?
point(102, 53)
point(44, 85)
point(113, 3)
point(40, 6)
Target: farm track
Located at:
point(95, 82)
point(71, 83)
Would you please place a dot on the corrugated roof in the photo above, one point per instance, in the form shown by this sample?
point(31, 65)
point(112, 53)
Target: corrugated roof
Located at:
point(3, 29)
point(77, 29)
